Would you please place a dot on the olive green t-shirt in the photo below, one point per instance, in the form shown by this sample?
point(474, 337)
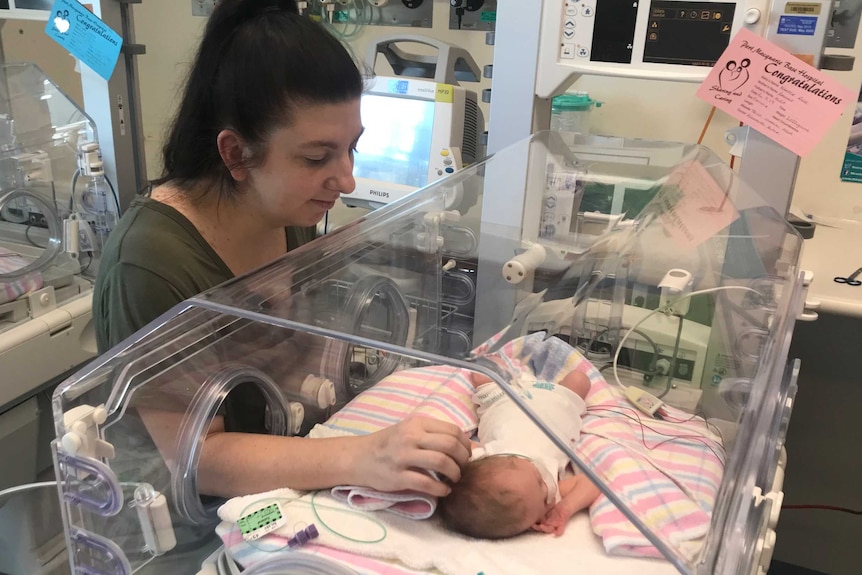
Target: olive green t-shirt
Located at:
point(154, 259)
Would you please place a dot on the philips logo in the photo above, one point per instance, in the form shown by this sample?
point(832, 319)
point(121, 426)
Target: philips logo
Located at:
point(379, 193)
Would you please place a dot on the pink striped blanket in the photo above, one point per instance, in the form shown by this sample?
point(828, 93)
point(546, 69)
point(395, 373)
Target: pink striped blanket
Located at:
point(13, 289)
point(668, 471)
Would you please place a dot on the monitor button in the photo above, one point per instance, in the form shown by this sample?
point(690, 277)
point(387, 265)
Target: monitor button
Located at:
point(444, 153)
point(449, 170)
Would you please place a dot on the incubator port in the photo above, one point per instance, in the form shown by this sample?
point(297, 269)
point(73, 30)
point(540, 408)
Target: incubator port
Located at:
point(318, 390)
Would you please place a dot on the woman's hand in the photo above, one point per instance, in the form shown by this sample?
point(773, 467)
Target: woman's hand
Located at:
point(398, 457)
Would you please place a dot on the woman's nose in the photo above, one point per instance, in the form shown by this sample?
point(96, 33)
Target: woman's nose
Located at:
point(343, 179)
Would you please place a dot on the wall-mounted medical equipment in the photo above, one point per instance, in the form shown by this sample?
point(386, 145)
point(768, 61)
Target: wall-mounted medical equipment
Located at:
point(660, 40)
point(420, 124)
point(473, 15)
point(349, 17)
point(56, 210)
point(374, 298)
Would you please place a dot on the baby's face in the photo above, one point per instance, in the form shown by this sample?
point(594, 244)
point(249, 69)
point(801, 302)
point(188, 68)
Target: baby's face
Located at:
point(524, 478)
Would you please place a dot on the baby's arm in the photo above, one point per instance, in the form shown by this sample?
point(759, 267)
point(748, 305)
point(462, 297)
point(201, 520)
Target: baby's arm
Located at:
point(577, 493)
point(478, 379)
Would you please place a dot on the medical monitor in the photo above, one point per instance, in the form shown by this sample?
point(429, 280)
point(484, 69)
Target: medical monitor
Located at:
point(416, 131)
point(663, 39)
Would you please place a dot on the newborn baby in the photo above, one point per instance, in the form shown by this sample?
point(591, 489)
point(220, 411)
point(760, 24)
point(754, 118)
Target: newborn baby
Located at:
point(511, 483)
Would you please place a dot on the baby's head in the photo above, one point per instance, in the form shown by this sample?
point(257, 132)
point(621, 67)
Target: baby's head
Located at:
point(497, 497)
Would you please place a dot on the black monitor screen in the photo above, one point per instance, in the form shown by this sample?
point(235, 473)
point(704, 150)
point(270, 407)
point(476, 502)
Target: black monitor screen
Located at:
point(614, 31)
point(688, 33)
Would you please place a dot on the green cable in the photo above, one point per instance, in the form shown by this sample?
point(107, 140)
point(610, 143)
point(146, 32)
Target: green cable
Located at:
point(315, 506)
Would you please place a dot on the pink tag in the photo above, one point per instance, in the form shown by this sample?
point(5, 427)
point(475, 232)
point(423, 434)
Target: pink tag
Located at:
point(693, 207)
point(775, 92)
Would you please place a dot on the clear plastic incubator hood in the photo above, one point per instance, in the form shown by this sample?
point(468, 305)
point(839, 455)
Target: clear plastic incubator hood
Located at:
point(41, 134)
point(669, 282)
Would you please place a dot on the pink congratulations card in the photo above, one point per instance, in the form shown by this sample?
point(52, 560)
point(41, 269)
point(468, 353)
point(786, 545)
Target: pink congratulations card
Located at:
point(775, 92)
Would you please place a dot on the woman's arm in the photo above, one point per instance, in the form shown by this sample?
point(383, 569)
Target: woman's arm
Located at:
point(242, 463)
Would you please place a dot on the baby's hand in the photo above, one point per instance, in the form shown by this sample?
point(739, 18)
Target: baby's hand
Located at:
point(554, 522)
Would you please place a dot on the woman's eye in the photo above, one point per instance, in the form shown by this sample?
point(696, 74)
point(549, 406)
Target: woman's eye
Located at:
point(315, 160)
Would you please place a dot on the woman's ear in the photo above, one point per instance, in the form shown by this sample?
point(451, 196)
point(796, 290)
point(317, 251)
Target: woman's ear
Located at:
point(231, 149)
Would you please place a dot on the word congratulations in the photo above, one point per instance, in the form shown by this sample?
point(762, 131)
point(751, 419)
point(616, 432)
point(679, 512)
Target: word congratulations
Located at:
point(86, 23)
point(805, 82)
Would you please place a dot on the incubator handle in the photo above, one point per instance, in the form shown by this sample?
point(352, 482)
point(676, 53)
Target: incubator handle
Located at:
point(517, 268)
point(449, 66)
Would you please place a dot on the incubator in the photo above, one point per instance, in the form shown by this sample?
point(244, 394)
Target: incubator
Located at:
point(50, 238)
point(688, 300)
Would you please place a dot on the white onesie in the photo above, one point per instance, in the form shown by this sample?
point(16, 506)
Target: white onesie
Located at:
point(505, 429)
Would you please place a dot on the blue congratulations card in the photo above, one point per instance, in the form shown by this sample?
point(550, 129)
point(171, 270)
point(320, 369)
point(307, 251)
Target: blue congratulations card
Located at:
point(85, 36)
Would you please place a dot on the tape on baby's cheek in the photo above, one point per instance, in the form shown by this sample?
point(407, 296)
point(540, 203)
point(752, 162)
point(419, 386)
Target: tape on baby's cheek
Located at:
point(477, 453)
point(550, 482)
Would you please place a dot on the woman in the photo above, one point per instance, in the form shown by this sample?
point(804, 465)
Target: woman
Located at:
point(261, 147)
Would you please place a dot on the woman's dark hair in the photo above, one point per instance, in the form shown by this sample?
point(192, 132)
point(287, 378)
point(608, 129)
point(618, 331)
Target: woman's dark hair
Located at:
point(257, 63)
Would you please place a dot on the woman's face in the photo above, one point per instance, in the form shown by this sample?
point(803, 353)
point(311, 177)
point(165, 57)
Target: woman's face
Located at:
point(308, 165)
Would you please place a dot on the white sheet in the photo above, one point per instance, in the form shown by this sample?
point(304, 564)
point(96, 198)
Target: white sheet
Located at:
point(426, 546)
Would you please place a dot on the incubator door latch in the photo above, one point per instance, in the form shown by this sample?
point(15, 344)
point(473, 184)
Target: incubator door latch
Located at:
point(82, 434)
point(42, 301)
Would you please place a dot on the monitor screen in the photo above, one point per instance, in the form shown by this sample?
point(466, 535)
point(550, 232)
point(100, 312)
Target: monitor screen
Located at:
point(688, 33)
point(396, 144)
